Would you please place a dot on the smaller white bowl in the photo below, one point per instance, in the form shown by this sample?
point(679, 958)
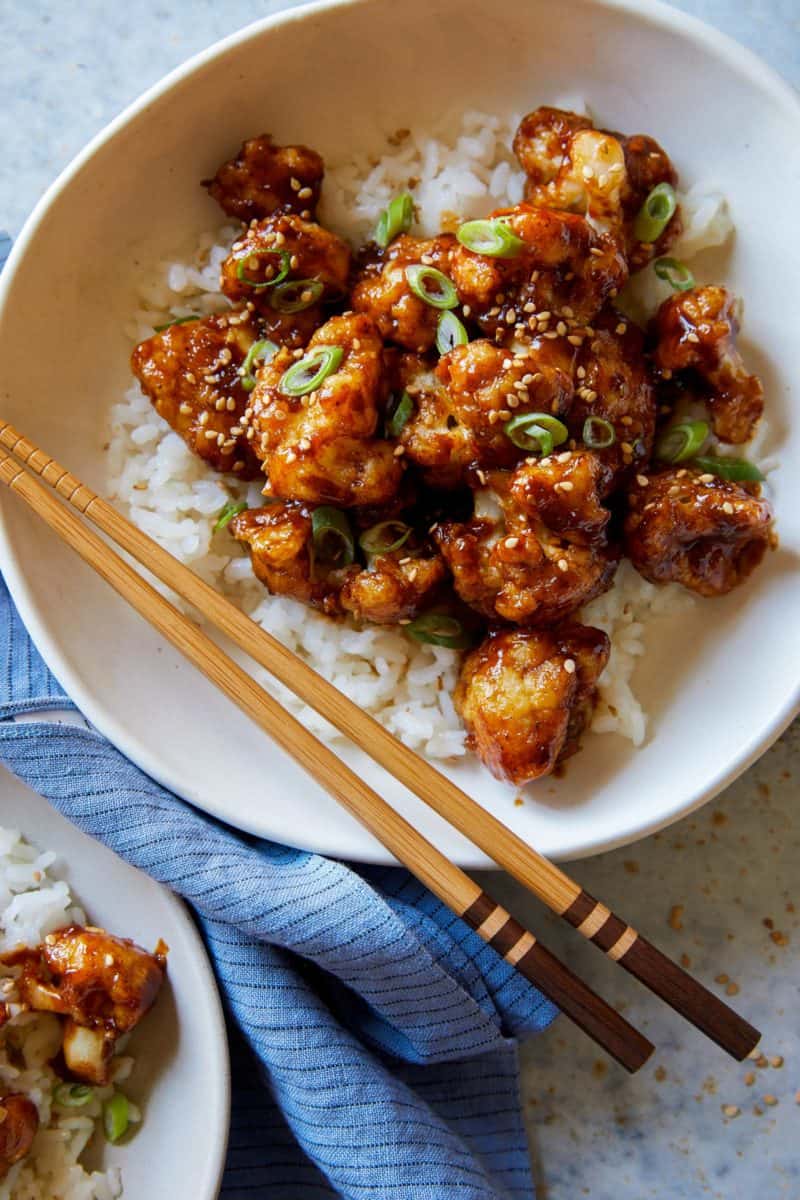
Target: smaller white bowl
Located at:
point(181, 1079)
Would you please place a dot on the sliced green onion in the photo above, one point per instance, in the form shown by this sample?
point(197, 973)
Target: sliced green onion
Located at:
point(177, 321)
point(296, 295)
point(307, 374)
point(396, 218)
point(385, 537)
point(73, 1095)
point(656, 213)
point(333, 537)
point(738, 470)
point(432, 286)
point(400, 415)
point(231, 510)
point(439, 629)
point(682, 441)
point(450, 333)
point(536, 432)
point(261, 351)
point(492, 238)
point(241, 269)
point(115, 1116)
point(675, 273)
point(598, 433)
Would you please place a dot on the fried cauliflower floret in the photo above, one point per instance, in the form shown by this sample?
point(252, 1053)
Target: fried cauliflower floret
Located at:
point(394, 587)
point(525, 695)
point(699, 530)
point(312, 253)
point(264, 178)
point(190, 373)
point(698, 330)
point(321, 447)
point(600, 174)
point(463, 405)
point(542, 552)
point(19, 1123)
point(564, 275)
point(613, 385)
point(383, 292)
point(279, 538)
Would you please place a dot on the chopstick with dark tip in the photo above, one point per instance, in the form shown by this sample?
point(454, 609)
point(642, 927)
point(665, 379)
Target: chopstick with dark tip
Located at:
point(462, 895)
point(614, 936)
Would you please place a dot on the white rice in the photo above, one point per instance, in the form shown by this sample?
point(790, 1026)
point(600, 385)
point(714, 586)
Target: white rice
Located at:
point(462, 170)
point(33, 904)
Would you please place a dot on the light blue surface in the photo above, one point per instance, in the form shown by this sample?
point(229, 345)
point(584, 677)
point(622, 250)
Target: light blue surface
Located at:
point(66, 70)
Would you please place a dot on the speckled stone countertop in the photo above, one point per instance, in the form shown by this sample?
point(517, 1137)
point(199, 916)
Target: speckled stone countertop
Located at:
point(718, 891)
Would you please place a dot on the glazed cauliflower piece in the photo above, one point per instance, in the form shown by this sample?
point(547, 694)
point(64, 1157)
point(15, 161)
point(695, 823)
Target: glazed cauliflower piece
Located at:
point(190, 373)
point(18, 1127)
point(383, 292)
point(264, 178)
point(536, 549)
point(320, 447)
point(559, 280)
point(697, 330)
point(696, 529)
point(526, 695)
point(603, 175)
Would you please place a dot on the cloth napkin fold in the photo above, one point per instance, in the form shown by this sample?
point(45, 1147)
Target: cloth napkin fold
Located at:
point(374, 1034)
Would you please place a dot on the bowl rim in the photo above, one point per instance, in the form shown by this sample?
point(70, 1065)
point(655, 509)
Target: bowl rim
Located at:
point(655, 13)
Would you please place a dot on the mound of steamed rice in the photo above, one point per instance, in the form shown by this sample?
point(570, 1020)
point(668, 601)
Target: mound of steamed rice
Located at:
point(32, 904)
point(455, 172)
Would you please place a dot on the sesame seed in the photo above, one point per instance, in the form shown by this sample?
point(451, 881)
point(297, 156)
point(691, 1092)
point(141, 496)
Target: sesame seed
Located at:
point(507, 363)
point(727, 508)
point(642, 480)
point(776, 1060)
point(564, 457)
point(770, 1100)
point(237, 430)
point(511, 542)
point(569, 666)
point(304, 444)
point(575, 339)
point(230, 404)
point(588, 173)
point(219, 404)
point(481, 476)
point(561, 328)
point(562, 564)
point(295, 184)
point(238, 465)
point(305, 193)
point(566, 486)
point(185, 409)
point(290, 456)
point(203, 418)
point(692, 337)
point(707, 477)
point(190, 377)
point(529, 306)
point(731, 1110)
point(626, 447)
point(511, 316)
point(399, 451)
point(621, 328)
point(466, 310)
point(427, 259)
point(581, 372)
point(210, 433)
point(513, 401)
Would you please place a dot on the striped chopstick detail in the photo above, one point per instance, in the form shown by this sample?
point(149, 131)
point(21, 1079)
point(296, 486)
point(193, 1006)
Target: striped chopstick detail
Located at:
point(497, 927)
point(600, 925)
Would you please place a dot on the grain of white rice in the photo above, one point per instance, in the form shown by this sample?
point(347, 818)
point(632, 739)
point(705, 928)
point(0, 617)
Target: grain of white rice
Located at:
point(454, 172)
point(33, 904)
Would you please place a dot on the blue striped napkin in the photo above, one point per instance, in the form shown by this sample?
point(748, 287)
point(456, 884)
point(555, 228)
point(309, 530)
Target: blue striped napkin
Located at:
point(373, 1034)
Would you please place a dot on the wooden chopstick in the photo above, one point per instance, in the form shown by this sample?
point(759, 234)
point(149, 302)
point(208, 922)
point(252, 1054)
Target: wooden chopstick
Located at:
point(620, 941)
point(454, 888)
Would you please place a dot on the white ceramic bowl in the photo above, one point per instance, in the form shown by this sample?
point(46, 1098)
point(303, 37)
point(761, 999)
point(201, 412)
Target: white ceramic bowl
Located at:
point(719, 685)
point(181, 1077)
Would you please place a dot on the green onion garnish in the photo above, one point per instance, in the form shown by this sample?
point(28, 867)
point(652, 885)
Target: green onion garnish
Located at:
point(536, 432)
point(682, 441)
point(492, 237)
point(450, 332)
point(73, 1095)
point(598, 433)
point(296, 295)
point(177, 321)
point(307, 374)
point(396, 218)
point(675, 273)
point(332, 536)
point(656, 213)
point(400, 415)
point(283, 271)
point(439, 629)
point(115, 1116)
point(432, 286)
point(385, 537)
point(231, 510)
point(738, 470)
point(261, 351)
